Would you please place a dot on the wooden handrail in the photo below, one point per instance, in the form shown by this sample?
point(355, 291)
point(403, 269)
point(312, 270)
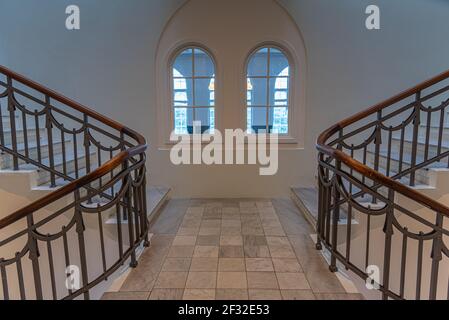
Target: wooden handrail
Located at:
point(370, 172)
point(84, 181)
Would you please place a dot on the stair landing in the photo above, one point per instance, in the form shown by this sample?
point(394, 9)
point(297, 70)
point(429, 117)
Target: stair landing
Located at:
point(227, 249)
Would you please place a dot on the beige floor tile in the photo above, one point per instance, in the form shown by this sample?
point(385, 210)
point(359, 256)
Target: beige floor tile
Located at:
point(259, 264)
point(181, 252)
point(167, 294)
point(206, 252)
point(293, 281)
point(231, 216)
point(339, 296)
point(254, 240)
point(231, 252)
point(262, 280)
point(282, 252)
point(297, 295)
point(247, 204)
point(231, 294)
point(191, 223)
point(188, 231)
point(202, 280)
point(252, 231)
point(231, 231)
point(213, 215)
point(198, 211)
point(286, 265)
point(264, 204)
point(209, 231)
point(125, 296)
point(278, 241)
point(211, 224)
point(257, 251)
point(184, 241)
point(231, 264)
point(171, 280)
point(208, 240)
point(232, 280)
point(231, 240)
point(231, 223)
point(248, 210)
point(231, 210)
point(204, 264)
point(322, 282)
point(260, 294)
point(274, 231)
point(199, 294)
point(176, 264)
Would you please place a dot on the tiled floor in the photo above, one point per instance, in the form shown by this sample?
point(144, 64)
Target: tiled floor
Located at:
point(231, 249)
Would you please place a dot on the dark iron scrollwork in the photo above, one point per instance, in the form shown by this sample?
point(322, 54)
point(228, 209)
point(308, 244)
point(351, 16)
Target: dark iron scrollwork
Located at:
point(372, 180)
point(95, 218)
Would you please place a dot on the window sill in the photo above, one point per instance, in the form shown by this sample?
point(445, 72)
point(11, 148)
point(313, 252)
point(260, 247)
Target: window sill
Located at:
point(285, 142)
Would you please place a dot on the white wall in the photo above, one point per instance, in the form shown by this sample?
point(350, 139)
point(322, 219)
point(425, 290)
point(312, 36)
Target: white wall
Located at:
point(109, 65)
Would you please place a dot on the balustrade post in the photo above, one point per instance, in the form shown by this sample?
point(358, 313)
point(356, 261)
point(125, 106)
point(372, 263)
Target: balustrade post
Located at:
point(49, 127)
point(86, 143)
point(80, 229)
point(320, 204)
point(34, 257)
point(12, 119)
point(144, 211)
point(416, 124)
point(436, 256)
point(388, 230)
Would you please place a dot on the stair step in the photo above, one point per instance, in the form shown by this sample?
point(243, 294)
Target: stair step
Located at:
point(434, 132)
point(31, 134)
point(307, 201)
point(408, 145)
point(44, 177)
point(156, 197)
point(6, 160)
point(421, 175)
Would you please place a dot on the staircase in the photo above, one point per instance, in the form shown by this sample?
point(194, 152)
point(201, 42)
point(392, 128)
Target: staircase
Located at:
point(382, 200)
point(76, 207)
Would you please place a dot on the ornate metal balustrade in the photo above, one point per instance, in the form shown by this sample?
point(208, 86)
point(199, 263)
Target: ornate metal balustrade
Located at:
point(94, 219)
point(371, 215)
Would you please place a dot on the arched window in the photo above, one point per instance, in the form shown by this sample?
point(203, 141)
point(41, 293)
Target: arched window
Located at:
point(193, 93)
point(268, 81)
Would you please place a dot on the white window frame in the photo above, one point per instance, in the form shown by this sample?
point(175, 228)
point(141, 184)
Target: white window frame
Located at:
point(290, 137)
point(193, 77)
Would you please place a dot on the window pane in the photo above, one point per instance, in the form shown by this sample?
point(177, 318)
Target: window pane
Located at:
point(258, 64)
point(258, 120)
point(204, 67)
point(259, 91)
point(279, 120)
point(203, 93)
point(182, 92)
point(279, 91)
point(183, 64)
point(278, 63)
point(183, 118)
point(204, 115)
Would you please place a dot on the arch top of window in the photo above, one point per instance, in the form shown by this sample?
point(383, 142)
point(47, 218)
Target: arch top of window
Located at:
point(193, 62)
point(260, 62)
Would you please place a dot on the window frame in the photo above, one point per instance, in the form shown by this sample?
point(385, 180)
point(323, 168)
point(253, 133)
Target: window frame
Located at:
point(171, 66)
point(283, 138)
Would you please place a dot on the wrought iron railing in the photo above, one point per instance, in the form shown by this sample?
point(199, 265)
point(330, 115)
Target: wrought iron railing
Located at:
point(95, 217)
point(372, 215)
